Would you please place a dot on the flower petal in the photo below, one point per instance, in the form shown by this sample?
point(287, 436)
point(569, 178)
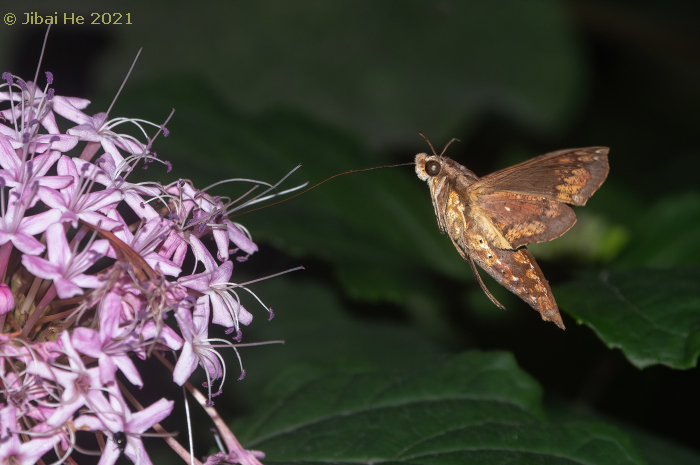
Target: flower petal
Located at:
point(220, 310)
point(26, 244)
point(185, 365)
point(69, 108)
point(59, 252)
point(66, 288)
point(87, 341)
point(38, 223)
point(8, 157)
point(107, 368)
point(40, 267)
point(240, 239)
point(128, 369)
point(154, 413)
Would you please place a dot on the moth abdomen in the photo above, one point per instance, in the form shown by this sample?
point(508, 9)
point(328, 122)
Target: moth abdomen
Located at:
point(517, 271)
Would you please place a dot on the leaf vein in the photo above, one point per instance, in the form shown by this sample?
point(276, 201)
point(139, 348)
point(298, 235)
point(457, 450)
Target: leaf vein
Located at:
point(372, 408)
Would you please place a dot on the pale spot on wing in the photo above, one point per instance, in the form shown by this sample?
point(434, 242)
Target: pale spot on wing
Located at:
point(491, 231)
point(480, 245)
point(572, 185)
point(521, 258)
point(527, 230)
point(532, 275)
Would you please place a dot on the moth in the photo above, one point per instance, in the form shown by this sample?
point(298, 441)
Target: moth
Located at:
point(491, 220)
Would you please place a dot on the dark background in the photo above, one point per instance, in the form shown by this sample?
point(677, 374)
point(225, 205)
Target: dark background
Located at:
point(338, 86)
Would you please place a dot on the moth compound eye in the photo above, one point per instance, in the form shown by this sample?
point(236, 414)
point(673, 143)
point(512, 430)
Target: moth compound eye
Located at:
point(432, 168)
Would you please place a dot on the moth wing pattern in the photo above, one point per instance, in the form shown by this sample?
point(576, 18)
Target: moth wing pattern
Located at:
point(523, 219)
point(525, 203)
point(453, 221)
point(516, 270)
point(569, 176)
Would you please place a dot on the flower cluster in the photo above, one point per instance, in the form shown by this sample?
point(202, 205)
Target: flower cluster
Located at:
point(91, 268)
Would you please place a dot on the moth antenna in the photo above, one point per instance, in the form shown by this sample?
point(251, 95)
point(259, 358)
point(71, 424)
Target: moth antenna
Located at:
point(448, 144)
point(431, 145)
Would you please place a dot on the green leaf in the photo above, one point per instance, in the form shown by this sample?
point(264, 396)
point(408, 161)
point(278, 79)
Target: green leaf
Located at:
point(658, 451)
point(592, 238)
point(666, 234)
point(654, 449)
point(476, 408)
point(652, 315)
point(318, 330)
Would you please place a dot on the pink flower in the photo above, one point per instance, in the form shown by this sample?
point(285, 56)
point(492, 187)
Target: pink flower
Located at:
point(147, 240)
point(64, 266)
point(82, 386)
point(34, 104)
point(17, 171)
point(57, 385)
point(111, 345)
point(208, 211)
point(98, 129)
point(197, 349)
point(41, 143)
point(213, 284)
point(125, 425)
point(15, 227)
point(106, 173)
point(75, 202)
point(13, 449)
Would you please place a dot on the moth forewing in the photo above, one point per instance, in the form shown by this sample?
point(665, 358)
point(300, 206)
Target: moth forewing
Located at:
point(569, 176)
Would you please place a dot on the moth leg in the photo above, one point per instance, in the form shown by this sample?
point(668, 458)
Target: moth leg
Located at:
point(477, 275)
point(483, 286)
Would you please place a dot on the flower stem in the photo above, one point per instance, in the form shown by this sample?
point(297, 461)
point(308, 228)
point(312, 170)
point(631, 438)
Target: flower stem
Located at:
point(39, 309)
point(90, 150)
point(244, 457)
point(28, 301)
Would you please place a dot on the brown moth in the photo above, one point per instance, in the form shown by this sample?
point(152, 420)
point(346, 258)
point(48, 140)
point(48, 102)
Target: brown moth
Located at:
point(490, 220)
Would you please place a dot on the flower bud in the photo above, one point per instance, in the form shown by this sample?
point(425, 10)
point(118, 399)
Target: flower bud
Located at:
point(7, 301)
